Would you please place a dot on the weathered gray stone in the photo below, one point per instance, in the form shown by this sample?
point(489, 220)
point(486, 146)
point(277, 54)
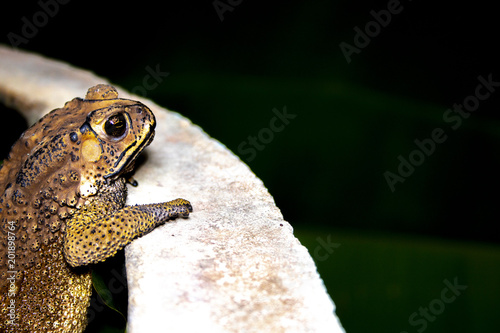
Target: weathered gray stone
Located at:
point(234, 264)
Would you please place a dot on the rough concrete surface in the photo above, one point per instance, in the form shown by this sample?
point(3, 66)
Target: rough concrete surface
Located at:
point(234, 265)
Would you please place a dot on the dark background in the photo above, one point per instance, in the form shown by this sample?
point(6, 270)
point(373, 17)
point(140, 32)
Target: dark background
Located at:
point(325, 169)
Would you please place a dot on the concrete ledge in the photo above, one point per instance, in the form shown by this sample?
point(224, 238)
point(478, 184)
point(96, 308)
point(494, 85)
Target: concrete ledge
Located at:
point(234, 265)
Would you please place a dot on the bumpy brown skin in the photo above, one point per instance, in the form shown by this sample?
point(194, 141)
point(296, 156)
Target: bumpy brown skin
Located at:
point(63, 207)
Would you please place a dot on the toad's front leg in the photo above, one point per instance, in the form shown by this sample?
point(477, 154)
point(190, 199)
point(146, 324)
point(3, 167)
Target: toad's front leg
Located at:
point(89, 240)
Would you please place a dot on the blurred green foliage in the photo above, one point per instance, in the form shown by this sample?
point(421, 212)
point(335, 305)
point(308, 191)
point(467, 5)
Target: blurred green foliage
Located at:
point(380, 281)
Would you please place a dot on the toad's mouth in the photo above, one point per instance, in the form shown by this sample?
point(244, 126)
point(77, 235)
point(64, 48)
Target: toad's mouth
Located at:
point(125, 161)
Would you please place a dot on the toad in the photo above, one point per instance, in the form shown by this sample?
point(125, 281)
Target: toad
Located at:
point(62, 208)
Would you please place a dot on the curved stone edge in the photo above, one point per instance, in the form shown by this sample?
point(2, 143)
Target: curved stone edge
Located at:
point(234, 265)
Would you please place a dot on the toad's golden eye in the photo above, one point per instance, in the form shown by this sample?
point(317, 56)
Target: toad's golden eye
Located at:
point(116, 125)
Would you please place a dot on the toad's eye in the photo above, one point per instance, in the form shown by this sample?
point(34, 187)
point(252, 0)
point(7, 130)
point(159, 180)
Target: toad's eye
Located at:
point(116, 125)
